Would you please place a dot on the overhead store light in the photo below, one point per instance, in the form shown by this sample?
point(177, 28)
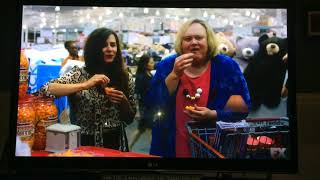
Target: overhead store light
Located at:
point(213, 16)
point(42, 14)
point(57, 8)
point(248, 13)
point(187, 9)
point(146, 10)
point(108, 12)
point(24, 26)
point(157, 13)
point(121, 15)
point(88, 16)
point(205, 14)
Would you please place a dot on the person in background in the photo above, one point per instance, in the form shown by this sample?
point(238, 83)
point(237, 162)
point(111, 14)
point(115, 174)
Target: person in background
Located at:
point(195, 84)
point(73, 52)
point(101, 94)
point(142, 84)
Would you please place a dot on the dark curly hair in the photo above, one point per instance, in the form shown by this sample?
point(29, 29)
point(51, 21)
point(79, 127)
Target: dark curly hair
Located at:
point(143, 61)
point(68, 43)
point(95, 63)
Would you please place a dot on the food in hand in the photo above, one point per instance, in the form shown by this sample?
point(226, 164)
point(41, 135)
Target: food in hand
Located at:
point(108, 89)
point(189, 108)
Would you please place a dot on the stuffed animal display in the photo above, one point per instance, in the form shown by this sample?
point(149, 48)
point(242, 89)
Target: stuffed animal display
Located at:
point(265, 73)
point(225, 45)
point(246, 48)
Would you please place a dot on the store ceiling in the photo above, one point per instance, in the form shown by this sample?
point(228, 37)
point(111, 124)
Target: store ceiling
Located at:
point(78, 17)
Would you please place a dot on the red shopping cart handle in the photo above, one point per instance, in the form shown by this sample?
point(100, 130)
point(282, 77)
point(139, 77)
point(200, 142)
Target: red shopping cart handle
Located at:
point(217, 153)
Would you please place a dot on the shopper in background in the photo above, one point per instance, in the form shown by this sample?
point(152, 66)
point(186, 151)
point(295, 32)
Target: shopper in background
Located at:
point(142, 84)
point(195, 84)
point(99, 111)
point(72, 48)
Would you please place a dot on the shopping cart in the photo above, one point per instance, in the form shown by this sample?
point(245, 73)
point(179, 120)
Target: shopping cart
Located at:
point(253, 138)
point(202, 138)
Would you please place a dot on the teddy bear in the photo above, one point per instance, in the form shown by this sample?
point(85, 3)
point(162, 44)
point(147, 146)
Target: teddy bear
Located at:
point(246, 48)
point(266, 72)
point(225, 45)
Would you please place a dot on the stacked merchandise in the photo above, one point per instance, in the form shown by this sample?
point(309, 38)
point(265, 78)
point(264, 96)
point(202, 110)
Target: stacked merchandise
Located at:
point(26, 115)
point(46, 115)
point(23, 76)
point(34, 113)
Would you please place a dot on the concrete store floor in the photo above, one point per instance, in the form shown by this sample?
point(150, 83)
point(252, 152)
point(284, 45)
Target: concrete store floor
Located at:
point(142, 145)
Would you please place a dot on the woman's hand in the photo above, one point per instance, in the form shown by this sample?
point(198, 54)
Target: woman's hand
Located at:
point(97, 79)
point(181, 63)
point(116, 96)
point(201, 113)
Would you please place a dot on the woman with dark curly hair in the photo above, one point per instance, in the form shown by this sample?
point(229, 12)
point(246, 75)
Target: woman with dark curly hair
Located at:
point(101, 94)
point(142, 84)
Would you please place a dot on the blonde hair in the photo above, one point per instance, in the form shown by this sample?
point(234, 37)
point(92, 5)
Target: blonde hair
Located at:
point(211, 38)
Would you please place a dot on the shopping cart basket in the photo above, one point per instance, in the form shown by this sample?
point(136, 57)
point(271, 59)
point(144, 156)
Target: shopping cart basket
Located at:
point(253, 138)
point(202, 138)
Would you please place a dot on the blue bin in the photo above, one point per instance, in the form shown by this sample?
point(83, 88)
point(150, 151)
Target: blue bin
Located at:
point(46, 73)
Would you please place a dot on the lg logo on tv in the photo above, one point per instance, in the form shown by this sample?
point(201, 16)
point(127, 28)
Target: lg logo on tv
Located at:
point(278, 153)
point(152, 164)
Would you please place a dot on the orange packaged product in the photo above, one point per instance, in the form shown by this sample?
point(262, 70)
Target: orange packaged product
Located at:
point(46, 114)
point(26, 113)
point(23, 76)
point(23, 87)
point(25, 122)
point(24, 65)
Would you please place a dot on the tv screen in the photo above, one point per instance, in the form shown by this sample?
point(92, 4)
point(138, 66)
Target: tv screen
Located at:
point(66, 129)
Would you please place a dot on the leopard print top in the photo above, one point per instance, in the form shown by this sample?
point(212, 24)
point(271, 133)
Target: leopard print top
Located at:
point(93, 110)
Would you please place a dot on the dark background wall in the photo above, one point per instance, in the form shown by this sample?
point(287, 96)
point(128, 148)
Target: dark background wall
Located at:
point(307, 82)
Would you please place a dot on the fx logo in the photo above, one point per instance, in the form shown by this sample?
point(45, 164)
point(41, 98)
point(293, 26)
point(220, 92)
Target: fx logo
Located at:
point(278, 153)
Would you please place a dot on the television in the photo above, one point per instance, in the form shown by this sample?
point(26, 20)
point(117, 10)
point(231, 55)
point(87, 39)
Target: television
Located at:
point(43, 27)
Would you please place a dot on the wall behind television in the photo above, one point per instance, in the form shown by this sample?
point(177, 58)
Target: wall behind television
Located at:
point(307, 66)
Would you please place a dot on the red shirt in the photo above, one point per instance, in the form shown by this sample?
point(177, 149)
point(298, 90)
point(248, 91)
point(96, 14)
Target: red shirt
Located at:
point(191, 84)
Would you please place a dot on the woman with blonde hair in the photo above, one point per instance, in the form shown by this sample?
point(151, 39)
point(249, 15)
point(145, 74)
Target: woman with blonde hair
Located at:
point(195, 84)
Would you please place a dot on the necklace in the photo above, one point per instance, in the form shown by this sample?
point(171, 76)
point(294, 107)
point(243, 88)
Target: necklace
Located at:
point(196, 96)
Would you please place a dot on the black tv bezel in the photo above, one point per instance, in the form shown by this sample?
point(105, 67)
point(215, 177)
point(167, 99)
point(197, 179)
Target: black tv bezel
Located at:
point(157, 164)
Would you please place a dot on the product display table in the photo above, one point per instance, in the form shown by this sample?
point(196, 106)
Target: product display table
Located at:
point(92, 151)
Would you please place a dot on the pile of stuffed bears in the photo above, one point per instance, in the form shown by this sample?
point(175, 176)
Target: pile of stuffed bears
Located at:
point(263, 61)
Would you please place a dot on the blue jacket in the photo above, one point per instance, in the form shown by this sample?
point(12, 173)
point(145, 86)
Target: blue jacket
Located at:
point(226, 79)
